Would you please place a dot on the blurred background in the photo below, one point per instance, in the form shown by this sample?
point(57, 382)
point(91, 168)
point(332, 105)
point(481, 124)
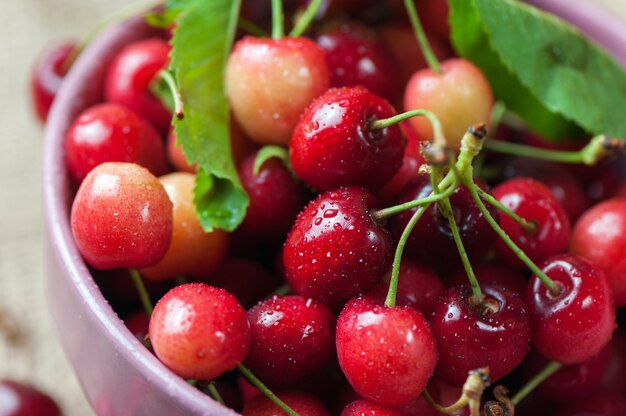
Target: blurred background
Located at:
point(29, 349)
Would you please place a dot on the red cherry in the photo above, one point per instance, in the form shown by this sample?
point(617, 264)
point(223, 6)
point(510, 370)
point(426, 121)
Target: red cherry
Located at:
point(112, 133)
point(301, 403)
point(291, 338)
point(576, 324)
point(276, 198)
point(18, 399)
point(47, 76)
point(336, 250)
point(356, 56)
point(138, 323)
point(600, 236)
point(534, 202)
point(334, 144)
point(599, 403)
point(129, 77)
point(365, 408)
point(460, 97)
point(492, 274)
point(269, 82)
point(494, 334)
point(121, 217)
point(387, 354)
point(199, 331)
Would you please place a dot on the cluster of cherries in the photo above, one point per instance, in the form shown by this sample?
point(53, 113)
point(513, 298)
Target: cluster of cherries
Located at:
point(396, 277)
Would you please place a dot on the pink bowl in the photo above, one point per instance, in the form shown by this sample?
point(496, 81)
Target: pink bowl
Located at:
point(118, 375)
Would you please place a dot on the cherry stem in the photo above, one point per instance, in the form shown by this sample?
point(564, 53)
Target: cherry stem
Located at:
point(167, 77)
point(266, 391)
point(475, 384)
point(250, 27)
point(458, 405)
point(388, 122)
point(282, 290)
point(388, 212)
point(214, 393)
point(144, 297)
point(547, 371)
point(528, 226)
point(431, 59)
point(507, 240)
point(278, 28)
point(268, 152)
point(306, 18)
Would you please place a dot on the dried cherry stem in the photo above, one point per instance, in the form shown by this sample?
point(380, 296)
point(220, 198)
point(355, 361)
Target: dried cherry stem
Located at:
point(278, 24)
point(439, 139)
point(266, 391)
point(144, 297)
point(551, 368)
point(598, 149)
point(528, 226)
point(214, 393)
point(477, 381)
point(168, 79)
point(431, 59)
point(268, 152)
point(306, 18)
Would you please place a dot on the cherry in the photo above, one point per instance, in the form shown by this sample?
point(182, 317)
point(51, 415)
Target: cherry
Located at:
point(432, 232)
point(334, 143)
point(365, 408)
point(19, 399)
point(600, 236)
point(494, 333)
point(492, 274)
point(47, 76)
point(301, 403)
point(177, 156)
point(534, 202)
point(199, 331)
point(192, 251)
point(269, 82)
point(599, 403)
point(336, 250)
point(112, 133)
point(356, 56)
point(138, 323)
point(121, 217)
point(460, 97)
point(276, 198)
point(130, 75)
point(575, 324)
point(387, 354)
point(291, 338)
point(418, 287)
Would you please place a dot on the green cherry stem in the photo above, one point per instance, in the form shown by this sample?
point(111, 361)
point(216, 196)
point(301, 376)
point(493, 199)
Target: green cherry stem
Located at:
point(214, 393)
point(278, 28)
point(528, 226)
point(388, 212)
point(268, 152)
point(437, 128)
point(266, 391)
point(306, 18)
point(168, 79)
point(551, 368)
point(431, 59)
point(144, 297)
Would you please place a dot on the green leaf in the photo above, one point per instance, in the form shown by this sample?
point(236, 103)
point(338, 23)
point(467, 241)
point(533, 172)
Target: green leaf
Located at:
point(541, 67)
point(200, 46)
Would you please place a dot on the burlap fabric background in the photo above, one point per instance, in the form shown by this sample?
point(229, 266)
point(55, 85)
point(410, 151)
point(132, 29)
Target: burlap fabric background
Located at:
point(29, 350)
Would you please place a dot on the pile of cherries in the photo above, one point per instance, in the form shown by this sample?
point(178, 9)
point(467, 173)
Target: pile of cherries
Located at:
point(388, 263)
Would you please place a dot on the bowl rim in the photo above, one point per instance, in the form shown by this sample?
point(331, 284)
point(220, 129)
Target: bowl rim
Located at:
point(592, 19)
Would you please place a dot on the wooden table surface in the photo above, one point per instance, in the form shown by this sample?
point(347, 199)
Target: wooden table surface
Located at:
point(33, 353)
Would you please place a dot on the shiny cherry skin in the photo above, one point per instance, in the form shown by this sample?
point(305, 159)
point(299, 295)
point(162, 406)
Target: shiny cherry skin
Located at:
point(365, 408)
point(121, 217)
point(533, 201)
point(19, 399)
point(494, 334)
point(601, 402)
point(199, 331)
point(269, 82)
point(576, 324)
point(291, 338)
point(600, 236)
point(334, 144)
point(492, 274)
point(387, 354)
point(110, 132)
point(47, 76)
point(356, 56)
point(129, 77)
point(276, 198)
point(432, 232)
point(192, 252)
point(460, 97)
point(302, 403)
point(418, 287)
point(336, 250)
